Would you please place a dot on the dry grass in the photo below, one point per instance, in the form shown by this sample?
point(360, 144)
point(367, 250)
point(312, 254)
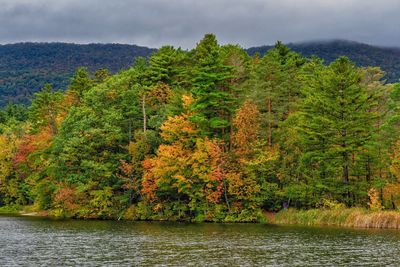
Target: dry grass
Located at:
point(354, 217)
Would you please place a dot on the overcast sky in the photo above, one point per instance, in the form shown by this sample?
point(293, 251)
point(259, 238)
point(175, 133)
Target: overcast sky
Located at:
point(183, 22)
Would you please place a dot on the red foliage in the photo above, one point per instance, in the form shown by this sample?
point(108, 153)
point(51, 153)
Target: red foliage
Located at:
point(31, 143)
point(215, 187)
point(66, 197)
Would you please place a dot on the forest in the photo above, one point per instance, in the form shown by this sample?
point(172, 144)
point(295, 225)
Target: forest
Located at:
point(210, 134)
point(26, 67)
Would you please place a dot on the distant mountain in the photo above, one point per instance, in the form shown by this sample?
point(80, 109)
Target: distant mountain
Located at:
point(26, 67)
point(362, 54)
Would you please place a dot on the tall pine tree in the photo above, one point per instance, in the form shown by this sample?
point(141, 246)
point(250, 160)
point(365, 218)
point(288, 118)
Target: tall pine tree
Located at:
point(213, 98)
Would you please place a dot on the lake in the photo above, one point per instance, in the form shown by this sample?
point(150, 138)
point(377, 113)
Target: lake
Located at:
point(30, 241)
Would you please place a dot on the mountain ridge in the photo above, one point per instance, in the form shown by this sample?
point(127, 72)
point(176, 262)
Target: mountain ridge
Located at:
point(387, 58)
point(26, 66)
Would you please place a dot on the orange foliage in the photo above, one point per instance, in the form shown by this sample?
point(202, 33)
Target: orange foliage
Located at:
point(187, 101)
point(166, 168)
point(391, 195)
point(149, 181)
point(374, 201)
point(190, 164)
point(246, 123)
point(30, 143)
point(207, 163)
point(158, 94)
point(66, 198)
point(178, 128)
point(214, 189)
point(128, 170)
point(186, 169)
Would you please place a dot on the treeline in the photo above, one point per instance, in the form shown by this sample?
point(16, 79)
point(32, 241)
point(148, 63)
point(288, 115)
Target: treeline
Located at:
point(26, 67)
point(210, 134)
point(362, 55)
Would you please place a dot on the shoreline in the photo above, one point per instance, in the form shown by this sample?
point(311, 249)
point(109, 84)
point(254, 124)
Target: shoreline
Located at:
point(349, 218)
point(346, 218)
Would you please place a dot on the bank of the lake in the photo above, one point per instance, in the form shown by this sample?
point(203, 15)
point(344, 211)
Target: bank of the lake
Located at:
point(348, 217)
point(11, 209)
point(352, 217)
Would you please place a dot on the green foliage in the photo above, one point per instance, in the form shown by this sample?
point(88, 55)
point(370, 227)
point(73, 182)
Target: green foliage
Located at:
point(213, 97)
point(210, 134)
point(12, 209)
point(45, 108)
point(13, 113)
point(166, 66)
point(335, 122)
point(363, 55)
point(81, 82)
point(26, 67)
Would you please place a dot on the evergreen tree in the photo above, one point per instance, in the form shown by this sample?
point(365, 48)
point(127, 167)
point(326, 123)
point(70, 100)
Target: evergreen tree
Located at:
point(213, 99)
point(45, 108)
point(275, 88)
point(100, 75)
point(335, 121)
point(80, 83)
point(166, 66)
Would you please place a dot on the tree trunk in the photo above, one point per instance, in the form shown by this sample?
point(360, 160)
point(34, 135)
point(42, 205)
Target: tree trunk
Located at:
point(346, 173)
point(53, 125)
point(345, 156)
point(144, 112)
point(226, 196)
point(269, 123)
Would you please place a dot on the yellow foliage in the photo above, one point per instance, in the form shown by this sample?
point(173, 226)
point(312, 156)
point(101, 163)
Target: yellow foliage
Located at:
point(7, 151)
point(375, 202)
point(391, 195)
point(242, 187)
point(178, 128)
point(246, 123)
point(187, 101)
point(190, 164)
point(158, 95)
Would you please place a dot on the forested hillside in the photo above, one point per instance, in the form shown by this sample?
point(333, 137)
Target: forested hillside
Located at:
point(210, 134)
point(388, 59)
point(26, 67)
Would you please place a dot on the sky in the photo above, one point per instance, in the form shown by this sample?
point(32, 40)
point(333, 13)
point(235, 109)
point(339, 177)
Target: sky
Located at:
point(183, 23)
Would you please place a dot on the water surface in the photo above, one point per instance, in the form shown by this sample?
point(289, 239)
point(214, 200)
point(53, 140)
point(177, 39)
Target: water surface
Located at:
point(39, 241)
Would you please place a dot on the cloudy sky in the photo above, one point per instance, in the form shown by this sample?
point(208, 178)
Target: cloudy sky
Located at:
point(183, 22)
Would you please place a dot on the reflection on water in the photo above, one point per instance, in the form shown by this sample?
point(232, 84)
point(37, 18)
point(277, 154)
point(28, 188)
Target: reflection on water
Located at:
point(38, 241)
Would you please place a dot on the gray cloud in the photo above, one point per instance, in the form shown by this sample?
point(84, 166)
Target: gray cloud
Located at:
point(183, 22)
